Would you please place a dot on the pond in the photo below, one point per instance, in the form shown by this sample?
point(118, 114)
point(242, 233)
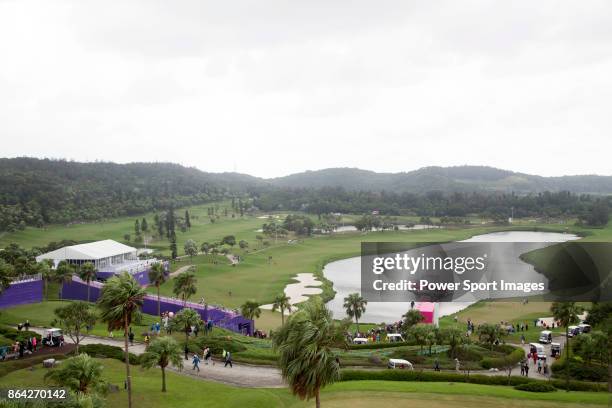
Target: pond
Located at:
point(345, 275)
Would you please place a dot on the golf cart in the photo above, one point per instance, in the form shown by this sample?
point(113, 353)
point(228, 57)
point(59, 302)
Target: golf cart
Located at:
point(545, 336)
point(573, 331)
point(538, 349)
point(584, 328)
point(555, 349)
point(394, 338)
point(52, 337)
point(399, 363)
point(360, 340)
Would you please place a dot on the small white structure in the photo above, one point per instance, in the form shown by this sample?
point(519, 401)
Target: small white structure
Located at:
point(360, 340)
point(103, 254)
point(399, 363)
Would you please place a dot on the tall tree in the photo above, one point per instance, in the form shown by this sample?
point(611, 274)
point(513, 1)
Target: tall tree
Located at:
point(191, 248)
point(250, 309)
point(120, 303)
point(355, 307)
point(136, 227)
point(306, 346)
point(87, 272)
point(144, 225)
point(282, 303)
point(185, 285)
point(6, 275)
point(411, 318)
point(187, 219)
point(157, 276)
point(74, 318)
point(185, 320)
point(81, 374)
point(173, 249)
point(566, 313)
point(161, 352)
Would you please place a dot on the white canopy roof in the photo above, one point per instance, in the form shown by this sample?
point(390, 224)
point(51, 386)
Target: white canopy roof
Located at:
point(90, 251)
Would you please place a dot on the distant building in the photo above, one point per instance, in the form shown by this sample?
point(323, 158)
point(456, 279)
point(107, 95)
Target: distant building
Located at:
point(109, 258)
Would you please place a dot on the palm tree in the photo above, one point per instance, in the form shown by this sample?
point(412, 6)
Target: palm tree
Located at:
point(120, 302)
point(87, 273)
point(306, 349)
point(250, 309)
point(185, 285)
point(157, 276)
point(281, 302)
point(161, 352)
point(411, 318)
point(355, 307)
point(63, 274)
point(46, 273)
point(81, 374)
point(185, 320)
point(566, 313)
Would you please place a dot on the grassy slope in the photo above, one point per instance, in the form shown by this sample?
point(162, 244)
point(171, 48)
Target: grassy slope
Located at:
point(189, 392)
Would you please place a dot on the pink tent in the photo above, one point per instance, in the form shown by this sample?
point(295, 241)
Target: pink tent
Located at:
point(427, 310)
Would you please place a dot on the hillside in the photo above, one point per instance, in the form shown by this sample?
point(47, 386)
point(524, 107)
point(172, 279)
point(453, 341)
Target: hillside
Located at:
point(447, 179)
point(42, 191)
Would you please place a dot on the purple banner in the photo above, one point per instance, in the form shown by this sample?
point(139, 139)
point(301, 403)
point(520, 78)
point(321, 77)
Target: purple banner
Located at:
point(21, 293)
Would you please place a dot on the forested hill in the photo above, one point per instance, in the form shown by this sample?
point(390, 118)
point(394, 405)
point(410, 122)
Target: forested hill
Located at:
point(40, 191)
point(36, 192)
point(446, 179)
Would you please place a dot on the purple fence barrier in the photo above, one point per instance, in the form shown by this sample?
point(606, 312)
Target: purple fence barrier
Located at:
point(227, 319)
point(22, 292)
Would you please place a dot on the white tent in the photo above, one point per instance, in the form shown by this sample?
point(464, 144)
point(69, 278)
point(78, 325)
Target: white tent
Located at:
point(101, 253)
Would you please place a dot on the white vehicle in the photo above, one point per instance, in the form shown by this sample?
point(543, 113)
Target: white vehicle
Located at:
point(399, 363)
point(52, 337)
point(545, 336)
point(573, 331)
point(360, 340)
point(555, 349)
point(537, 349)
point(394, 338)
point(584, 328)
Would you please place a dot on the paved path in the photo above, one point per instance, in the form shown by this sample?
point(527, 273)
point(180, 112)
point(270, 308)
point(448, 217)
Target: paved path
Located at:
point(241, 375)
point(179, 271)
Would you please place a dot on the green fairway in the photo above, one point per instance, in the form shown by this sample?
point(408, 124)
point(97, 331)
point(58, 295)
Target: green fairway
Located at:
point(185, 391)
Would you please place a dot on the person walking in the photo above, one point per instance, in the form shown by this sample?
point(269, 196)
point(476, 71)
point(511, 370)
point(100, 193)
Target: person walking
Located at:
point(228, 359)
point(436, 365)
point(131, 337)
point(539, 366)
point(522, 367)
point(34, 342)
point(207, 355)
point(196, 362)
point(527, 370)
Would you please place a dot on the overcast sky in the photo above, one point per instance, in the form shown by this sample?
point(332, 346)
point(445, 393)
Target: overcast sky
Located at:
point(276, 87)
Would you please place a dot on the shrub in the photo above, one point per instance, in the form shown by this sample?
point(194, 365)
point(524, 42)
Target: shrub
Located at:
point(106, 351)
point(14, 365)
point(579, 370)
point(429, 376)
point(536, 387)
point(502, 362)
point(16, 335)
point(216, 344)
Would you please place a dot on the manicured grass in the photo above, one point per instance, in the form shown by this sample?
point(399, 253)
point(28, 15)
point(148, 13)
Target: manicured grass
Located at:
point(185, 391)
